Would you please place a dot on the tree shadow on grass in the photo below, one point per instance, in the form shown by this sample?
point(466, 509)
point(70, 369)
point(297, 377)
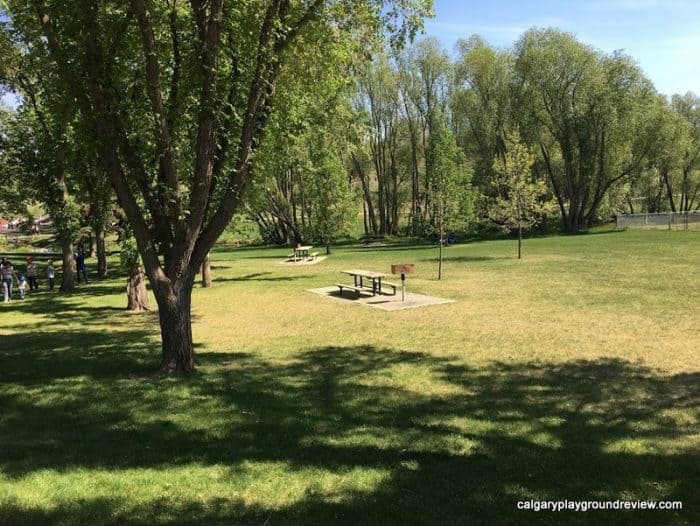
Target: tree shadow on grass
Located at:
point(41, 357)
point(599, 232)
point(459, 445)
point(391, 248)
point(62, 310)
point(263, 276)
point(262, 253)
point(104, 287)
point(468, 259)
point(101, 288)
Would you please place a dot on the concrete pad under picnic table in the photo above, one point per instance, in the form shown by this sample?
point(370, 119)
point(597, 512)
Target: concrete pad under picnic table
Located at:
point(381, 301)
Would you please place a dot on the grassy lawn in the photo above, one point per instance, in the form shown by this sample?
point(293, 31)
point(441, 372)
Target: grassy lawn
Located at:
point(572, 374)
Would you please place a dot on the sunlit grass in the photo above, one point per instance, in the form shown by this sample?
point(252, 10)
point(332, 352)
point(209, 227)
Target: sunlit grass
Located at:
point(571, 374)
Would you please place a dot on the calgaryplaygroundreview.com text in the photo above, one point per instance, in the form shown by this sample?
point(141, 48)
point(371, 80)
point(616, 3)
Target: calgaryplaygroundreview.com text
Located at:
point(598, 505)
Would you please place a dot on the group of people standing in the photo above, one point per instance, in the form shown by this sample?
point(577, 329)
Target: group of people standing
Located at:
point(9, 275)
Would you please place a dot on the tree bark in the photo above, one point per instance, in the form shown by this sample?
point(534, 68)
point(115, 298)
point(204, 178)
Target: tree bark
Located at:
point(174, 312)
point(93, 245)
point(441, 235)
point(415, 176)
point(371, 218)
point(101, 253)
point(364, 217)
point(67, 283)
point(206, 271)
point(136, 293)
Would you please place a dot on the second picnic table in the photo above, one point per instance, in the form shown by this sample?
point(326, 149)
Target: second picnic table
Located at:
point(302, 252)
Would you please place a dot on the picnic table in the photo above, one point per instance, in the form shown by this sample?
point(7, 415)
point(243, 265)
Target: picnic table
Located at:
point(301, 252)
point(360, 275)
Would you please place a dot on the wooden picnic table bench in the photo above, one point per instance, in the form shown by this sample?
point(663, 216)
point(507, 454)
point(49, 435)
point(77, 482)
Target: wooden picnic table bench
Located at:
point(357, 290)
point(393, 286)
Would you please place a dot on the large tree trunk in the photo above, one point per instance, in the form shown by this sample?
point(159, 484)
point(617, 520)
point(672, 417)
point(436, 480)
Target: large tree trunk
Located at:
point(92, 245)
point(381, 197)
point(441, 241)
point(206, 271)
point(415, 176)
point(371, 220)
point(394, 197)
point(136, 293)
point(364, 217)
point(174, 312)
point(67, 284)
point(101, 253)
point(573, 222)
point(669, 189)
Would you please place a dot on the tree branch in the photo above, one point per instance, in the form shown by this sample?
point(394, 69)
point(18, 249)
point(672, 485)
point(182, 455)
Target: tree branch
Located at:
point(206, 130)
point(101, 122)
point(173, 102)
point(166, 150)
point(311, 13)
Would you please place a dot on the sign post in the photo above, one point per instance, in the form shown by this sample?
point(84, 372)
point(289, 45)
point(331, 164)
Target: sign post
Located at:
point(403, 269)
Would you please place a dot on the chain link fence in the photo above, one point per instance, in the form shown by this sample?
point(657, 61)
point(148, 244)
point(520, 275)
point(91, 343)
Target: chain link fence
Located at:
point(660, 221)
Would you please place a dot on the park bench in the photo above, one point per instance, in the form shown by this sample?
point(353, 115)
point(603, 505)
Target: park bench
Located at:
point(313, 255)
point(342, 286)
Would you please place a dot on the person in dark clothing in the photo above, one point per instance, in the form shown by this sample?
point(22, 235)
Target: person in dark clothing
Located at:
point(80, 265)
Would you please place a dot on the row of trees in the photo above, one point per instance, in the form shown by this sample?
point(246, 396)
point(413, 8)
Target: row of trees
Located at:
point(599, 138)
point(359, 140)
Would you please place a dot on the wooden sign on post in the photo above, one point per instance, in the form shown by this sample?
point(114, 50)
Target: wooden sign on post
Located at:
point(403, 269)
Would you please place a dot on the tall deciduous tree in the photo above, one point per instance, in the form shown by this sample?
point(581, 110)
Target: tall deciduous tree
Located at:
point(330, 197)
point(379, 101)
point(587, 115)
point(424, 73)
point(308, 132)
point(205, 73)
point(483, 103)
point(521, 200)
point(11, 198)
point(42, 133)
point(655, 185)
point(450, 189)
point(37, 169)
point(687, 186)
